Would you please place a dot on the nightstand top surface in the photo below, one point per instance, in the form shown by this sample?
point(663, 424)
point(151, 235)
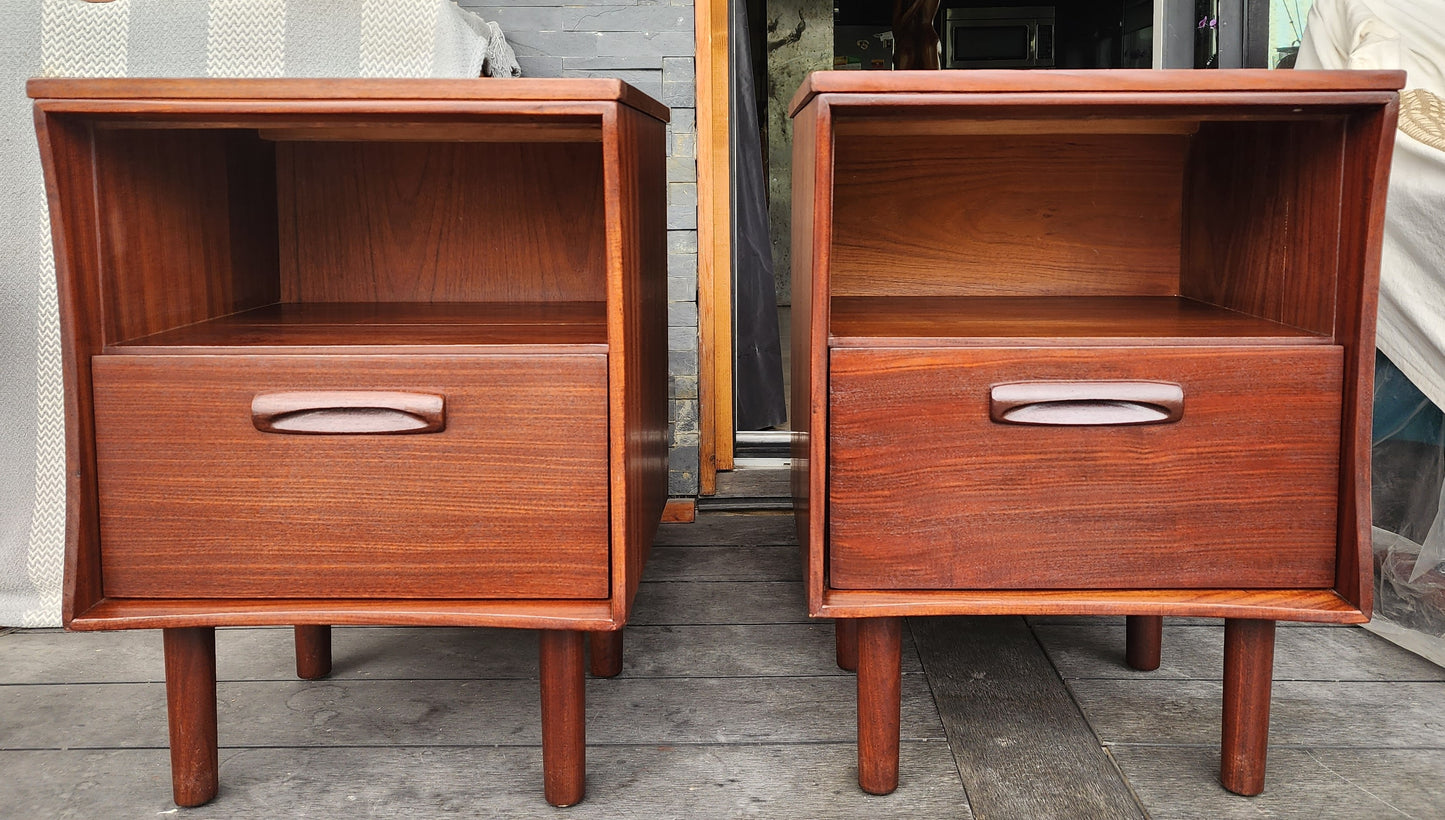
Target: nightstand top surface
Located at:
point(1003, 81)
point(581, 90)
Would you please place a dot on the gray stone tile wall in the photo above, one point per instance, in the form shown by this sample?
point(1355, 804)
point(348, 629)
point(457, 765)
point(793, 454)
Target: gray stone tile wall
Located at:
point(649, 44)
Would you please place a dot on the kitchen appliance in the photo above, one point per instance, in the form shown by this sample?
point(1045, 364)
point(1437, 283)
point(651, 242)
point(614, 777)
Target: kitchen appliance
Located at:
point(1020, 37)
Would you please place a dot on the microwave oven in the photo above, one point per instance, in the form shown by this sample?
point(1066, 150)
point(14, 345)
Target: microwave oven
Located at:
point(999, 37)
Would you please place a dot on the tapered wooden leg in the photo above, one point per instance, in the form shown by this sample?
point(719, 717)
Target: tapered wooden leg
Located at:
point(313, 652)
point(1248, 673)
point(604, 654)
point(564, 728)
point(1144, 641)
point(845, 638)
point(879, 683)
point(191, 712)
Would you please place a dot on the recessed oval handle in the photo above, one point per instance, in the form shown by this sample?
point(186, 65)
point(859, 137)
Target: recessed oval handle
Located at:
point(348, 412)
point(1086, 403)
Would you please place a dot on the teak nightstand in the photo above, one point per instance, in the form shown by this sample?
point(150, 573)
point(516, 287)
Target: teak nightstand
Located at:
point(359, 352)
point(1086, 343)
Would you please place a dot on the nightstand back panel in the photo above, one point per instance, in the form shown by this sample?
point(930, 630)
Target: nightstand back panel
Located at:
point(1007, 215)
point(509, 500)
point(441, 222)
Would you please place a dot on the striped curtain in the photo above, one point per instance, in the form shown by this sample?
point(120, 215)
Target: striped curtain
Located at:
point(152, 38)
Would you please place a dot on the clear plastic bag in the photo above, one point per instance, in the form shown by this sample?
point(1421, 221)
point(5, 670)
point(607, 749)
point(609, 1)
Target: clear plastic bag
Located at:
point(1408, 453)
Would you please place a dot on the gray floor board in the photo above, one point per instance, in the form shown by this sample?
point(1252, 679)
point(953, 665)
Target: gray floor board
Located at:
point(755, 483)
point(720, 603)
point(1197, 652)
point(1309, 784)
point(732, 563)
point(1302, 713)
point(451, 713)
point(1023, 748)
point(649, 782)
point(741, 529)
point(738, 650)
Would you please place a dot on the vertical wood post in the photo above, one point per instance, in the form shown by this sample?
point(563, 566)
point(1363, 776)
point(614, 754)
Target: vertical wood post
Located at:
point(845, 639)
point(1144, 641)
point(880, 654)
point(564, 727)
point(1248, 673)
point(313, 652)
point(605, 653)
point(191, 713)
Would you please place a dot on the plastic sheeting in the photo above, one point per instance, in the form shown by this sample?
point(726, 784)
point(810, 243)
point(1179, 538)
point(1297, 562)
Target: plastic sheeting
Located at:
point(1408, 450)
point(757, 352)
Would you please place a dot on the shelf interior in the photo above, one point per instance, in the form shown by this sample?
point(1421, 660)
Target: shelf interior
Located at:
point(323, 324)
point(916, 321)
point(210, 232)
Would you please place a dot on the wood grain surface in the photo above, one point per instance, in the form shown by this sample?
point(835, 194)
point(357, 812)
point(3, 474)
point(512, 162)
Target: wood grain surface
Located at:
point(634, 188)
point(374, 93)
point(1015, 215)
point(305, 327)
point(1140, 81)
point(1022, 745)
point(441, 222)
point(198, 502)
point(1051, 321)
point(188, 228)
point(927, 493)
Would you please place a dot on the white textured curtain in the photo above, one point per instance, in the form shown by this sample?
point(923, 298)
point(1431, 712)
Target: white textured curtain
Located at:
point(152, 38)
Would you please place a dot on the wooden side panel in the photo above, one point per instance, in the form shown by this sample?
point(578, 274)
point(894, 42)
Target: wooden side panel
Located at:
point(68, 161)
point(811, 249)
point(926, 492)
point(636, 195)
point(185, 227)
point(441, 222)
point(1370, 141)
point(1008, 215)
point(510, 500)
point(1263, 224)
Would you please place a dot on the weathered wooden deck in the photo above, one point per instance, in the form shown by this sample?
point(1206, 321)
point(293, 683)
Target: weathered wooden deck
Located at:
point(729, 705)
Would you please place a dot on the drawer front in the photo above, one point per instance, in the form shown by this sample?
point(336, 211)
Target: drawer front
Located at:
point(927, 492)
point(508, 500)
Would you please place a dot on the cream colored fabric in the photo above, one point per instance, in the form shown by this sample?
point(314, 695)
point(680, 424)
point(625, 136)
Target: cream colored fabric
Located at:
point(1409, 35)
point(158, 38)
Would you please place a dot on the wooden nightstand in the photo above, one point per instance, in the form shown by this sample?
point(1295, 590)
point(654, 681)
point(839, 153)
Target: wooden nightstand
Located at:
point(359, 352)
point(1086, 343)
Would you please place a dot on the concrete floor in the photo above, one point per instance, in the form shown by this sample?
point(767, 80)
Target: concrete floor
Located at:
point(729, 705)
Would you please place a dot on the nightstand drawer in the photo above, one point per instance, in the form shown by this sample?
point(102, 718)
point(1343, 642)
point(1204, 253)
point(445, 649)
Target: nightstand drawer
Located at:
point(928, 491)
point(214, 484)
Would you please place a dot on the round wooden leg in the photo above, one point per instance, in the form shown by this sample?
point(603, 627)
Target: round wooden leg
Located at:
point(564, 727)
point(879, 683)
point(191, 712)
point(845, 639)
point(1144, 641)
point(313, 652)
point(1248, 673)
point(604, 651)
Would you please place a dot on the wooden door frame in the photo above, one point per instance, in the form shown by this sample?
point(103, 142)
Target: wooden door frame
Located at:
point(714, 244)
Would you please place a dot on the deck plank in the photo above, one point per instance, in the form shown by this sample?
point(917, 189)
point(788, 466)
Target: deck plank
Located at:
point(1306, 784)
point(1197, 652)
point(650, 781)
point(456, 713)
point(724, 563)
point(1023, 748)
point(735, 529)
point(1381, 715)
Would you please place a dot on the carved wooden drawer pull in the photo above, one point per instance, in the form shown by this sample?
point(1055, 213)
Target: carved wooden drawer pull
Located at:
point(1086, 403)
point(348, 412)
